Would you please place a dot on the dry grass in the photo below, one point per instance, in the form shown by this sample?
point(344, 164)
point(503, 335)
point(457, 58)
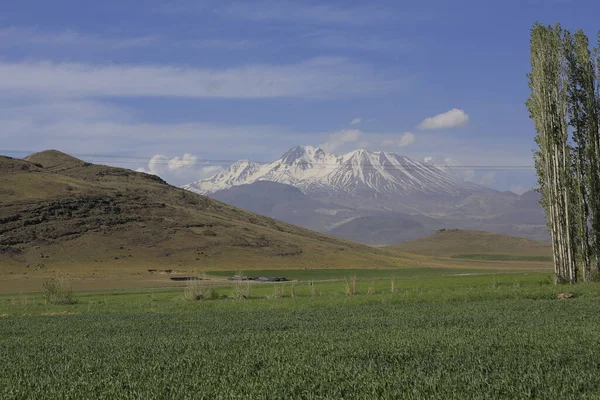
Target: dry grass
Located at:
point(241, 290)
point(371, 289)
point(198, 290)
point(351, 286)
point(20, 301)
point(454, 242)
point(278, 292)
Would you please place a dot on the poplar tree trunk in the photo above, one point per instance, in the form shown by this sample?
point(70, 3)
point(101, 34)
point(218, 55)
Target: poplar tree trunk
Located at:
point(548, 107)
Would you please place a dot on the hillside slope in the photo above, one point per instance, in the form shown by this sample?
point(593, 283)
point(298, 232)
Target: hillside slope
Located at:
point(60, 213)
point(285, 203)
point(453, 242)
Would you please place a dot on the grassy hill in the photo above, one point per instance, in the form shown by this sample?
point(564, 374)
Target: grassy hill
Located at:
point(477, 245)
point(60, 214)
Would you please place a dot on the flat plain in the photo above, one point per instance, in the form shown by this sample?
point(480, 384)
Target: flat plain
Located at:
point(477, 336)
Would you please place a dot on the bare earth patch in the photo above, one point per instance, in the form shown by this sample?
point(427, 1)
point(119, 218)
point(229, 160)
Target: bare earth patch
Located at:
point(564, 295)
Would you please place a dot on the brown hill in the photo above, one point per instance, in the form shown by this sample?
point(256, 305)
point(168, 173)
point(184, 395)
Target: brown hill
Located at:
point(455, 242)
point(60, 214)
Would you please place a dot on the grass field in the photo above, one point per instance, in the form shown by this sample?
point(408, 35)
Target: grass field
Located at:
point(453, 242)
point(502, 257)
point(479, 336)
point(324, 274)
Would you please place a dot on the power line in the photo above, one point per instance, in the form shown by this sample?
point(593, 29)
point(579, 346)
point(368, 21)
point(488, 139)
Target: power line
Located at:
point(170, 161)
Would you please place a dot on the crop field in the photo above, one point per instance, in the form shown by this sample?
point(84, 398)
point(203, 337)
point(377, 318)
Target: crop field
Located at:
point(504, 336)
point(321, 274)
point(502, 257)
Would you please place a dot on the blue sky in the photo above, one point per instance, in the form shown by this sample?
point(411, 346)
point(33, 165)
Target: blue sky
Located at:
point(221, 80)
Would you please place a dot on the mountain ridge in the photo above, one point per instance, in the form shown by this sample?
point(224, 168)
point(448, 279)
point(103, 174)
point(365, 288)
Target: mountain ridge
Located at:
point(381, 194)
point(312, 170)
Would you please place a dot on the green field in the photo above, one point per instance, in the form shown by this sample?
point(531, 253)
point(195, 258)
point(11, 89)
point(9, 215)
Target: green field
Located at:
point(322, 274)
point(484, 336)
point(502, 257)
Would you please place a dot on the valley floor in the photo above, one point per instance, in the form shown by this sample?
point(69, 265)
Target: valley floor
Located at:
point(476, 336)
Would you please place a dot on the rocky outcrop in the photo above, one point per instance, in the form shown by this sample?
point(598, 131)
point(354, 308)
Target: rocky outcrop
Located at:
point(63, 218)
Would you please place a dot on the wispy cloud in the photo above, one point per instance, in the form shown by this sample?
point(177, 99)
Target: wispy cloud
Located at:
point(349, 39)
point(451, 119)
point(179, 170)
point(355, 121)
point(24, 36)
point(18, 36)
point(319, 77)
point(85, 126)
point(305, 12)
point(90, 126)
point(404, 140)
point(338, 139)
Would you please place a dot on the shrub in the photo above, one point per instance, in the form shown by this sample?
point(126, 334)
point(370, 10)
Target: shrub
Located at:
point(278, 292)
point(56, 291)
point(241, 290)
point(197, 290)
point(594, 276)
point(211, 294)
point(351, 286)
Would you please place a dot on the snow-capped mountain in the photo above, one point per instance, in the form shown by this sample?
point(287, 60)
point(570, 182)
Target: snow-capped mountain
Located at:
point(372, 197)
point(313, 170)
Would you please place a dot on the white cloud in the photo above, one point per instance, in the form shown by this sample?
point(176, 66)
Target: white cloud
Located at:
point(338, 139)
point(355, 121)
point(451, 119)
point(179, 170)
point(451, 166)
point(22, 36)
point(319, 77)
point(85, 126)
point(17, 36)
point(406, 139)
point(458, 170)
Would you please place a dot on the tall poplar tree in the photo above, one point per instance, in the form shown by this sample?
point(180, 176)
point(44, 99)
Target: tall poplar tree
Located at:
point(548, 108)
point(580, 162)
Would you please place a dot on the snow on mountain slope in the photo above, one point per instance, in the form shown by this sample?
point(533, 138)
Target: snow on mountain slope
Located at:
point(239, 173)
point(386, 172)
point(312, 169)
